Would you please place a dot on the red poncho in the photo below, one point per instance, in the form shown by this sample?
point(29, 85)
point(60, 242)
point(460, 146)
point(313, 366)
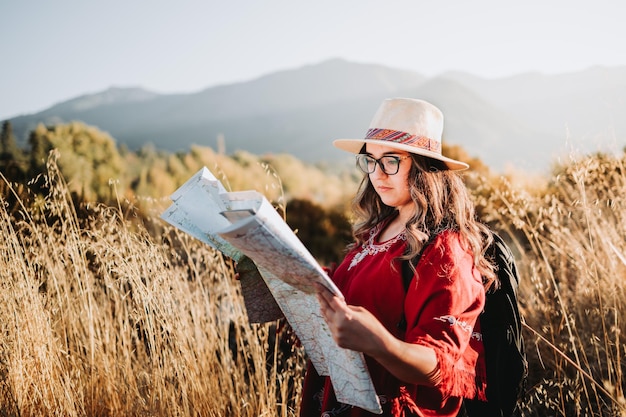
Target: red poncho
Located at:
point(441, 308)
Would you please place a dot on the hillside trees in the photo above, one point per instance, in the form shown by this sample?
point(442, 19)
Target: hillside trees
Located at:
point(91, 163)
point(88, 158)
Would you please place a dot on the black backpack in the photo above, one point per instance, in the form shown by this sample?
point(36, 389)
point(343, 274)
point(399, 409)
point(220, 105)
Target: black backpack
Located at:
point(501, 327)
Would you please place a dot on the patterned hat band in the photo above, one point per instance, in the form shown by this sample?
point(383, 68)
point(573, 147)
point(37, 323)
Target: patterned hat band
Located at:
point(396, 136)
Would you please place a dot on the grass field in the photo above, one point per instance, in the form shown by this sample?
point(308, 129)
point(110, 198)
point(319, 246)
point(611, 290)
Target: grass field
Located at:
point(105, 315)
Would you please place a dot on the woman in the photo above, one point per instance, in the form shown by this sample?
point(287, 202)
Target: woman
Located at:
point(410, 200)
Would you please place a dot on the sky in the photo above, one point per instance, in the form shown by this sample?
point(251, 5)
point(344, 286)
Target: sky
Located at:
point(53, 51)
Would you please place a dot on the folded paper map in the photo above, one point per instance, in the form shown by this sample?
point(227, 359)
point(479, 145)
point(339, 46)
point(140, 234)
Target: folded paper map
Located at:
point(244, 224)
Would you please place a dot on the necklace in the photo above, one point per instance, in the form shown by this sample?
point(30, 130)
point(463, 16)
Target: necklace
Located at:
point(371, 248)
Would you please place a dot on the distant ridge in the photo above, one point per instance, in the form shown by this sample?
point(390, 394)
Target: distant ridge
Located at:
point(523, 120)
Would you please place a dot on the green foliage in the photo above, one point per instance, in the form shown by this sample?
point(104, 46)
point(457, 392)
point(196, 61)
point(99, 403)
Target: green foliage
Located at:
point(88, 159)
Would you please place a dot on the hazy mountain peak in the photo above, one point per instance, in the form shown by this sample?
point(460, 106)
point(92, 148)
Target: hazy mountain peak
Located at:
point(332, 79)
point(110, 96)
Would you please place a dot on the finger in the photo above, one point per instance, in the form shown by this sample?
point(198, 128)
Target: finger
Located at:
point(325, 297)
point(331, 302)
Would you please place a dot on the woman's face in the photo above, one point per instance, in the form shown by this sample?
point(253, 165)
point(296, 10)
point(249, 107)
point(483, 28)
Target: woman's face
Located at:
point(392, 189)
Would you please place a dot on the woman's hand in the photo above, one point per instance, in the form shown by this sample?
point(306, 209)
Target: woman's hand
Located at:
point(352, 327)
point(357, 329)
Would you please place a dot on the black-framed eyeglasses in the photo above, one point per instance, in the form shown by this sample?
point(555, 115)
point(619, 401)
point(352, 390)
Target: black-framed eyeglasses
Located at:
point(389, 164)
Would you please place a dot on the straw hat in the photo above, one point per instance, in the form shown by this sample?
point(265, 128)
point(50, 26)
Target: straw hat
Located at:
point(406, 124)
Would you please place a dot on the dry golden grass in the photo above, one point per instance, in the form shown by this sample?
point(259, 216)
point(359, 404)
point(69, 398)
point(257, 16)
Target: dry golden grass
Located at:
point(100, 318)
point(571, 244)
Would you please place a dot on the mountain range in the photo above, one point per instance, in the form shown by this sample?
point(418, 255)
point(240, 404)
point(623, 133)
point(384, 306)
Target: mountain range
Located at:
point(526, 121)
